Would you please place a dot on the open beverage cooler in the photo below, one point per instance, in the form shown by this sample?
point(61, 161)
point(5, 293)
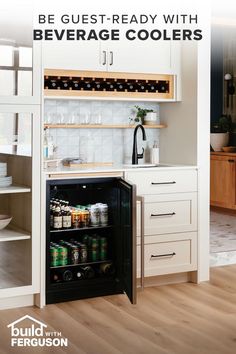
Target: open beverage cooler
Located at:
point(90, 239)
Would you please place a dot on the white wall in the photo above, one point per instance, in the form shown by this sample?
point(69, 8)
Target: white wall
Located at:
point(181, 117)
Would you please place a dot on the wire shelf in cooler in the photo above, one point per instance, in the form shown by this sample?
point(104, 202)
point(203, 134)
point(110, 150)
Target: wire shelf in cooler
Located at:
point(82, 229)
point(82, 264)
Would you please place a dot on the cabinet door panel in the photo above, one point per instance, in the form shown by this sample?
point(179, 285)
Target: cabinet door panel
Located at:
point(223, 180)
point(139, 57)
point(76, 56)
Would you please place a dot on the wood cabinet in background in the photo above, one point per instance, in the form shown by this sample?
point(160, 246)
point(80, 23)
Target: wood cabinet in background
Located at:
point(223, 180)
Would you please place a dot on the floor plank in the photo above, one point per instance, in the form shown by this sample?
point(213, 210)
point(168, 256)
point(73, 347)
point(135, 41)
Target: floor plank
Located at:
point(171, 319)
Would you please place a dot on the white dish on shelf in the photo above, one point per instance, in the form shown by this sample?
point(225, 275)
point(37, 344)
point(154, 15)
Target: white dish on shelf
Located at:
point(4, 221)
point(5, 181)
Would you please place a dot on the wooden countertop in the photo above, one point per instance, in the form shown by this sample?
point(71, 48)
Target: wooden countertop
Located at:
point(222, 153)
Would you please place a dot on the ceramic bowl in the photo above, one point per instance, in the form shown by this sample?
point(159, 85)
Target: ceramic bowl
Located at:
point(4, 221)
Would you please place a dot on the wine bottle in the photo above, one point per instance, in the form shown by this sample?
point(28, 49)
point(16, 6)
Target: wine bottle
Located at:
point(62, 276)
point(132, 86)
point(107, 268)
point(121, 85)
point(163, 86)
point(110, 86)
point(152, 86)
point(88, 272)
point(141, 86)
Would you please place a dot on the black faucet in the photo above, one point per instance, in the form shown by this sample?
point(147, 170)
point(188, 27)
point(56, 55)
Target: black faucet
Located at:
point(135, 155)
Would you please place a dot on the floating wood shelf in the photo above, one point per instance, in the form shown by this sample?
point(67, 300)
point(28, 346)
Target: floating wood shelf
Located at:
point(102, 126)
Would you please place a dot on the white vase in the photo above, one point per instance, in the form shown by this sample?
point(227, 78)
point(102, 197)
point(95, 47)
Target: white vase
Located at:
point(150, 118)
point(219, 140)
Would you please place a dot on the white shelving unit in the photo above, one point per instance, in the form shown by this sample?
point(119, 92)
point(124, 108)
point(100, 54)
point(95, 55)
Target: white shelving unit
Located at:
point(14, 189)
point(13, 235)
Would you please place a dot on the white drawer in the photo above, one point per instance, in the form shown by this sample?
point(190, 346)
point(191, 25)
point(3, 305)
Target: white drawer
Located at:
point(170, 213)
point(174, 256)
point(162, 182)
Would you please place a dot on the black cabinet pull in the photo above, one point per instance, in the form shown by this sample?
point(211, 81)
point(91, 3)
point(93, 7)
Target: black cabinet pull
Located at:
point(166, 214)
point(163, 255)
point(156, 183)
point(231, 161)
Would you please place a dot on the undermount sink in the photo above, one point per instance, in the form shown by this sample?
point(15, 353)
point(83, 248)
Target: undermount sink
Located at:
point(144, 165)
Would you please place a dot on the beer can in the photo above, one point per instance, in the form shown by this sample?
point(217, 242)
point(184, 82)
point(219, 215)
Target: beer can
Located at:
point(94, 249)
point(75, 219)
point(74, 254)
point(84, 218)
point(63, 255)
point(103, 248)
point(94, 215)
point(54, 256)
point(83, 253)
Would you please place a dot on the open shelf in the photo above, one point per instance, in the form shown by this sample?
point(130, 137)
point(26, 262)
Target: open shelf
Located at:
point(13, 235)
point(83, 229)
point(82, 264)
point(102, 126)
point(14, 189)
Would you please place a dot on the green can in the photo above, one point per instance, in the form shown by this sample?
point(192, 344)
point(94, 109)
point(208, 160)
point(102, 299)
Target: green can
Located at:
point(103, 248)
point(54, 256)
point(94, 249)
point(63, 255)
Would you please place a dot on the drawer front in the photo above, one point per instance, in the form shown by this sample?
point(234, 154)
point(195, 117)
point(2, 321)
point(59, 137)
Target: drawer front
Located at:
point(171, 213)
point(161, 182)
point(169, 257)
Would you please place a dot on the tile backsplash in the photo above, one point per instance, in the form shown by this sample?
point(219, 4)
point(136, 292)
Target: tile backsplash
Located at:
point(97, 145)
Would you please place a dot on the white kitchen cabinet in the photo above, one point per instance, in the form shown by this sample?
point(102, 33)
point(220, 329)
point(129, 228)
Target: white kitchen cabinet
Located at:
point(153, 57)
point(84, 55)
point(170, 220)
point(166, 254)
point(160, 57)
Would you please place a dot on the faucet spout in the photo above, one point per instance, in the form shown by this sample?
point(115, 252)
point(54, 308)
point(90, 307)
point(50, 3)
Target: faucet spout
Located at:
point(135, 155)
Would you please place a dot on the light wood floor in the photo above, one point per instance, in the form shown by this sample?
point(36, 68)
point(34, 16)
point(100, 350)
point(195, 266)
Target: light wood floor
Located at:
point(172, 319)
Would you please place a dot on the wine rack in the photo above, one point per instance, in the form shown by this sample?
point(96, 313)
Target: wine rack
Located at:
point(107, 84)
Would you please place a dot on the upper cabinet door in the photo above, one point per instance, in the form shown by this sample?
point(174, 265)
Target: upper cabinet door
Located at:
point(154, 57)
point(84, 55)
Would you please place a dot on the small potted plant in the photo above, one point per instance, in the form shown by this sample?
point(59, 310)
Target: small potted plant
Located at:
point(140, 115)
point(220, 132)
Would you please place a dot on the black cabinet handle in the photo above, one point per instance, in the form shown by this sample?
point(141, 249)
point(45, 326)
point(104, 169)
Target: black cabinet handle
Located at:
point(231, 161)
point(156, 183)
point(167, 214)
point(163, 255)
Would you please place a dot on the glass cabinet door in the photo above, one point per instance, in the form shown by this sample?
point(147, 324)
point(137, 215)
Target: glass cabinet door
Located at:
point(18, 66)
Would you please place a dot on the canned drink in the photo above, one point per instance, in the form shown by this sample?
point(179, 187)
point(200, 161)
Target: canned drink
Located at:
point(103, 214)
point(83, 253)
point(74, 254)
point(94, 249)
point(103, 248)
point(54, 256)
point(94, 215)
point(84, 218)
point(75, 219)
point(63, 255)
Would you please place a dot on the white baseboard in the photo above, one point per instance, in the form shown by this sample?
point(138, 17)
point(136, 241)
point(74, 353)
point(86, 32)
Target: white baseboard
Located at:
point(16, 301)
